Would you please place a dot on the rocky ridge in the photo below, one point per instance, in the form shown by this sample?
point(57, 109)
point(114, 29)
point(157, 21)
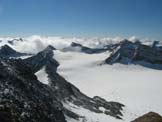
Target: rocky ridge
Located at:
point(135, 52)
point(23, 98)
point(7, 51)
point(80, 48)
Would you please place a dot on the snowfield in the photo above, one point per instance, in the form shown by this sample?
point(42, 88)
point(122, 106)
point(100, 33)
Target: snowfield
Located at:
point(42, 76)
point(88, 116)
point(137, 87)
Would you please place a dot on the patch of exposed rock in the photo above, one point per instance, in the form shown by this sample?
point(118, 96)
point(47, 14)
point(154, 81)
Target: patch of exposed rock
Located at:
point(149, 117)
point(80, 48)
point(7, 51)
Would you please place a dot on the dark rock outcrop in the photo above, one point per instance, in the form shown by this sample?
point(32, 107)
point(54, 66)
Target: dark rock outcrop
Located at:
point(149, 117)
point(14, 40)
point(137, 53)
point(43, 58)
point(7, 51)
point(78, 47)
point(111, 108)
point(23, 98)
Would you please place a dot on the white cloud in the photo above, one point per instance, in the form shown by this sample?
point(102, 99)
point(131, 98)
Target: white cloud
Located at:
point(36, 43)
point(133, 38)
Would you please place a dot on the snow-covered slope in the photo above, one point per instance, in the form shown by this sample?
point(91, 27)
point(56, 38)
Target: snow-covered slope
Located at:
point(89, 116)
point(42, 76)
point(139, 88)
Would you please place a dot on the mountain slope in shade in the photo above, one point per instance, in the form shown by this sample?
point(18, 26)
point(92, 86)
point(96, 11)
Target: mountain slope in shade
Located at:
point(43, 58)
point(134, 52)
point(23, 98)
point(80, 48)
point(7, 51)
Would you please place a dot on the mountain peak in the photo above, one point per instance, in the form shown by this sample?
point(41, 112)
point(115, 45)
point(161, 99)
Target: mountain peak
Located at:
point(50, 47)
point(6, 47)
point(74, 44)
point(135, 52)
point(7, 51)
point(43, 58)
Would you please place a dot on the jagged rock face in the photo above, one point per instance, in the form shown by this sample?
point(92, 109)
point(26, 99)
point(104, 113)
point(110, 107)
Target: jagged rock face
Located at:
point(112, 108)
point(43, 58)
point(149, 54)
point(129, 52)
point(14, 40)
point(23, 98)
point(6, 51)
point(82, 48)
point(149, 117)
point(78, 47)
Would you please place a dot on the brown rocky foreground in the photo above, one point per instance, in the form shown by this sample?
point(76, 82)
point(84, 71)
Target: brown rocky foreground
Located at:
point(149, 117)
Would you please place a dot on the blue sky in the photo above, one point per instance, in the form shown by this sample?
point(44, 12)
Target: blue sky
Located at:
point(141, 18)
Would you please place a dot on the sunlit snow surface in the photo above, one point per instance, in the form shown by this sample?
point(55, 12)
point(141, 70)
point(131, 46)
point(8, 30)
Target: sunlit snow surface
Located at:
point(87, 115)
point(42, 76)
point(139, 88)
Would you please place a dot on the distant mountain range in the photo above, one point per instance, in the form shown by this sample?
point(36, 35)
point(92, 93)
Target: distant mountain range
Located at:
point(128, 52)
